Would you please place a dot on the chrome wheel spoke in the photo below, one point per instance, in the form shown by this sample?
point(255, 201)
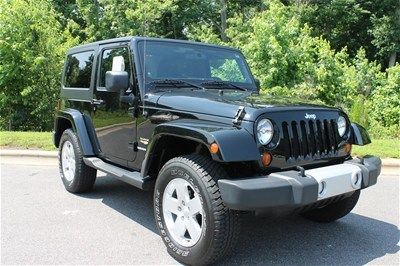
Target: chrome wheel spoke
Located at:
point(179, 227)
point(194, 206)
point(171, 205)
point(182, 192)
point(193, 228)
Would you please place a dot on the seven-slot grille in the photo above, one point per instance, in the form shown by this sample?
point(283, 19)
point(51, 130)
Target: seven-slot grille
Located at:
point(310, 139)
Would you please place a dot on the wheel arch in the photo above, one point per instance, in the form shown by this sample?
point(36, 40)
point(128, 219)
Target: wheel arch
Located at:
point(60, 125)
point(235, 144)
point(164, 148)
point(74, 119)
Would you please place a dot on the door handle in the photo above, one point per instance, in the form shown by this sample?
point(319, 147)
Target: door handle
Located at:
point(97, 102)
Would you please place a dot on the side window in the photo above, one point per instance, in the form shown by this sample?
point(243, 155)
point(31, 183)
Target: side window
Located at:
point(79, 70)
point(107, 61)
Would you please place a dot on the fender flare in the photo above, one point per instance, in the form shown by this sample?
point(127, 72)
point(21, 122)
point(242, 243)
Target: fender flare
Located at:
point(235, 145)
point(77, 120)
point(359, 135)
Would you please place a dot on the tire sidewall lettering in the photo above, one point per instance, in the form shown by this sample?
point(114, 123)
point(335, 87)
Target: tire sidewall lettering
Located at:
point(176, 172)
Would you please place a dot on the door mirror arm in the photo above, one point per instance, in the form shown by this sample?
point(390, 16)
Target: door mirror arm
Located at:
point(129, 99)
point(133, 102)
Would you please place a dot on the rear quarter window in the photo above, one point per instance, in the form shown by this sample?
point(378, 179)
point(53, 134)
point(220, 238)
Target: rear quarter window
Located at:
point(78, 70)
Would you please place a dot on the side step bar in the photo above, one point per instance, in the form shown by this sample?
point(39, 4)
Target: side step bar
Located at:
point(131, 177)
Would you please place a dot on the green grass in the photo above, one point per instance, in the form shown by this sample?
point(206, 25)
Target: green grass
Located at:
point(26, 140)
point(385, 148)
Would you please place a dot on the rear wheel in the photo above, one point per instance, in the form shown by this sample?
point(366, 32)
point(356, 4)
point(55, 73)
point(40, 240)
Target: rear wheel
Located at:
point(333, 211)
point(75, 174)
point(194, 223)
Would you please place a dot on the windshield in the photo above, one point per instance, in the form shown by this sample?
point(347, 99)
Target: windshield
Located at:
point(193, 62)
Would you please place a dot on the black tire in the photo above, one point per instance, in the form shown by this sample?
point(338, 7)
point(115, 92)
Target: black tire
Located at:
point(333, 211)
point(221, 225)
point(84, 176)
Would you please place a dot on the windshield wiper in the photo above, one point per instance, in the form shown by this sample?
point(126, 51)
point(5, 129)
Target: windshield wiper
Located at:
point(225, 84)
point(175, 83)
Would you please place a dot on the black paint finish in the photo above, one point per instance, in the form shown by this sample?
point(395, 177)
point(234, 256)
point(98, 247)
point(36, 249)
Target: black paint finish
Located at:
point(126, 133)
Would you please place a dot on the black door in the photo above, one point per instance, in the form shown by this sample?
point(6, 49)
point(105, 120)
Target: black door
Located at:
point(113, 119)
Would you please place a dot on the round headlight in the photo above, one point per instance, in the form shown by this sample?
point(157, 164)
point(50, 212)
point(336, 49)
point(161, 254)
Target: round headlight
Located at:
point(265, 131)
point(342, 125)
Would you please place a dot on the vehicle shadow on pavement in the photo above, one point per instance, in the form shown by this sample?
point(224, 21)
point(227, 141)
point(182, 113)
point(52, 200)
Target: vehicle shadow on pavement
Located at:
point(355, 239)
point(128, 200)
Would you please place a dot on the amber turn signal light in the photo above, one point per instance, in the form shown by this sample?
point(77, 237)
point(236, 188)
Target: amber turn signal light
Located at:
point(214, 148)
point(266, 159)
point(347, 148)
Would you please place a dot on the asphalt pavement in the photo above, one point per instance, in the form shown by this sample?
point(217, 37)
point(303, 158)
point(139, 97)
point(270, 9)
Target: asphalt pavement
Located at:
point(41, 223)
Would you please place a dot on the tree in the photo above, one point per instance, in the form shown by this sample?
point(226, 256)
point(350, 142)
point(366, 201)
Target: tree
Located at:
point(385, 105)
point(386, 32)
point(32, 48)
point(291, 62)
point(214, 21)
point(354, 24)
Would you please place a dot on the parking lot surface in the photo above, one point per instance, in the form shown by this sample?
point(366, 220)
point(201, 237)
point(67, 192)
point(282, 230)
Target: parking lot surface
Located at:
point(41, 223)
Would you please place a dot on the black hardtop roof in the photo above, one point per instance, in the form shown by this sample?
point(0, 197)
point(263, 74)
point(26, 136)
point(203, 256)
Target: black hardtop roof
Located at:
point(88, 46)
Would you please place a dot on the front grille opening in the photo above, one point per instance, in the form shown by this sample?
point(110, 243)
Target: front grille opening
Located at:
point(286, 138)
point(304, 138)
point(312, 139)
point(295, 140)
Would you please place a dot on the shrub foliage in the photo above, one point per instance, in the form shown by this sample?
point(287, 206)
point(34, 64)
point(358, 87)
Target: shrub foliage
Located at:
point(296, 48)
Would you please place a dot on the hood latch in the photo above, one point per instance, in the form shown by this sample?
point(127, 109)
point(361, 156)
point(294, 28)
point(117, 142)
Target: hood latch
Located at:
point(237, 120)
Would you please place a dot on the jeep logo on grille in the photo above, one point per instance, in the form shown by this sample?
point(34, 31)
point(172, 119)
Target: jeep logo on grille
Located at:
point(310, 116)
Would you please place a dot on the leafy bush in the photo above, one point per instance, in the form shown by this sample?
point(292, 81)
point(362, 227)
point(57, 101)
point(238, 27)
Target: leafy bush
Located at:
point(385, 105)
point(290, 62)
point(288, 55)
point(31, 52)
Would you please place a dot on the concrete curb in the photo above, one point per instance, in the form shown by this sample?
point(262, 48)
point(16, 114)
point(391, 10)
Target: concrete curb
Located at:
point(391, 162)
point(29, 153)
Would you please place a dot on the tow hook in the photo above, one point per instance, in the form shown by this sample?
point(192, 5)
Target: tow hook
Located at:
point(302, 171)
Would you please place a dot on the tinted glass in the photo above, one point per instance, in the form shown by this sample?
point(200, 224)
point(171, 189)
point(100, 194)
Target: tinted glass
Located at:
point(79, 70)
point(173, 60)
point(107, 60)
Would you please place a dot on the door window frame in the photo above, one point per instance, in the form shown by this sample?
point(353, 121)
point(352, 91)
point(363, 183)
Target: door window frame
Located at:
point(133, 87)
point(79, 94)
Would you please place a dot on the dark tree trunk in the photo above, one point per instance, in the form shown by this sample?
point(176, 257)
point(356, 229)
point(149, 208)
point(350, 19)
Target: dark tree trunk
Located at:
point(392, 59)
point(393, 55)
point(224, 11)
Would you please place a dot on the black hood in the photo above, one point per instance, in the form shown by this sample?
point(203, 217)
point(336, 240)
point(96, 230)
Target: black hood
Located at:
point(226, 105)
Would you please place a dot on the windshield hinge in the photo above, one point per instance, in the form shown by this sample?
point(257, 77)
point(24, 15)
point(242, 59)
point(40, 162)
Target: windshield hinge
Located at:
point(237, 120)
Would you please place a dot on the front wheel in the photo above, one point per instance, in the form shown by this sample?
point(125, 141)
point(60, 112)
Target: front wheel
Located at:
point(194, 223)
point(333, 211)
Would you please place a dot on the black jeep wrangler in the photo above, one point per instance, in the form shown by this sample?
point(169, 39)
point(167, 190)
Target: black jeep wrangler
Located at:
point(185, 119)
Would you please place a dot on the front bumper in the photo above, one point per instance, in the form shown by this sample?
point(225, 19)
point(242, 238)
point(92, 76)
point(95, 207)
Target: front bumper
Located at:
point(290, 189)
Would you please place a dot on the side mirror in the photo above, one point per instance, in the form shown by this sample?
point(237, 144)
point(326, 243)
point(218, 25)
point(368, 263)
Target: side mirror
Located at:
point(258, 84)
point(117, 81)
